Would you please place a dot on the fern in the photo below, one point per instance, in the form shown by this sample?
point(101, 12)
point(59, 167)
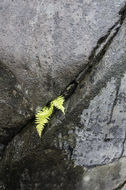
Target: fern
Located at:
point(43, 116)
point(58, 103)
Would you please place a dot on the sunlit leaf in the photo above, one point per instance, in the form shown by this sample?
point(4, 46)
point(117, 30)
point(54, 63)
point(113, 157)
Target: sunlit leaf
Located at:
point(58, 103)
point(43, 116)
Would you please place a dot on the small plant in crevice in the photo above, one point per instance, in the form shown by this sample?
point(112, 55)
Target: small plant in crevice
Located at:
point(43, 116)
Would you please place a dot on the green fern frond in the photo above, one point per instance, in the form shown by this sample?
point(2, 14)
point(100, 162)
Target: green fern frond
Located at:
point(43, 116)
point(58, 103)
point(40, 126)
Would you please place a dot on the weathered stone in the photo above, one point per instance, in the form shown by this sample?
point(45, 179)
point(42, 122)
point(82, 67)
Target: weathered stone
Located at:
point(45, 44)
point(2, 147)
point(93, 130)
point(40, 164)
point(101, 139)
point(124, 187)
point(101, 136)
point(14, 107)
point(111, 177)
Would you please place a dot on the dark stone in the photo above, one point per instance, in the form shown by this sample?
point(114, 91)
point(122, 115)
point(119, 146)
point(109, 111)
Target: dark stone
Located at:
point(78, 48)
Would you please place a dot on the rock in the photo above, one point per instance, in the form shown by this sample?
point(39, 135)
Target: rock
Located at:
point(111, 176)
point(91, 133)
point(44, 45)
point(78, 148)
point(2, 147)
point(101, 136)
point(124, 188)
point(40, 164)
point(14, 106)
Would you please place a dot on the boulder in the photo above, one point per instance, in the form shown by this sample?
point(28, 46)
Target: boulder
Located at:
point(78, 44)
point(44, 45)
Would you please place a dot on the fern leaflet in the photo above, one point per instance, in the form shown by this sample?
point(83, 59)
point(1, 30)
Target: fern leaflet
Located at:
point(43, 116)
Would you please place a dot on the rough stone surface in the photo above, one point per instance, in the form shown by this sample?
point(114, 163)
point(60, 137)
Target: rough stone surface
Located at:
point(102, 135)
point(45, 44)
point(112, 176)
point(102, 138)
point(14, 107)
point(43, 48)
point(124, 188)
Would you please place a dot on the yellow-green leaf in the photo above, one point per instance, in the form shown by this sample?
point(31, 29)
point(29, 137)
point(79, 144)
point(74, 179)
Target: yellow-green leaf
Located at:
point(58, 103)
point(43, 116)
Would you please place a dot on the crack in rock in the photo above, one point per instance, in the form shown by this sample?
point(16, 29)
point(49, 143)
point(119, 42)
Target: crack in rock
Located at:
point(123, 148)
point(120, 186)
point(115, 101)
point(102, 45)
point(94, 58)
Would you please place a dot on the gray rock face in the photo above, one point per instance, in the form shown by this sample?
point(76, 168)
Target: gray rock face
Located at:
point(111, 176)
point(45, 44)
point(103, 131)
point(44, 48)
point(104, 128)
point(13, 105)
